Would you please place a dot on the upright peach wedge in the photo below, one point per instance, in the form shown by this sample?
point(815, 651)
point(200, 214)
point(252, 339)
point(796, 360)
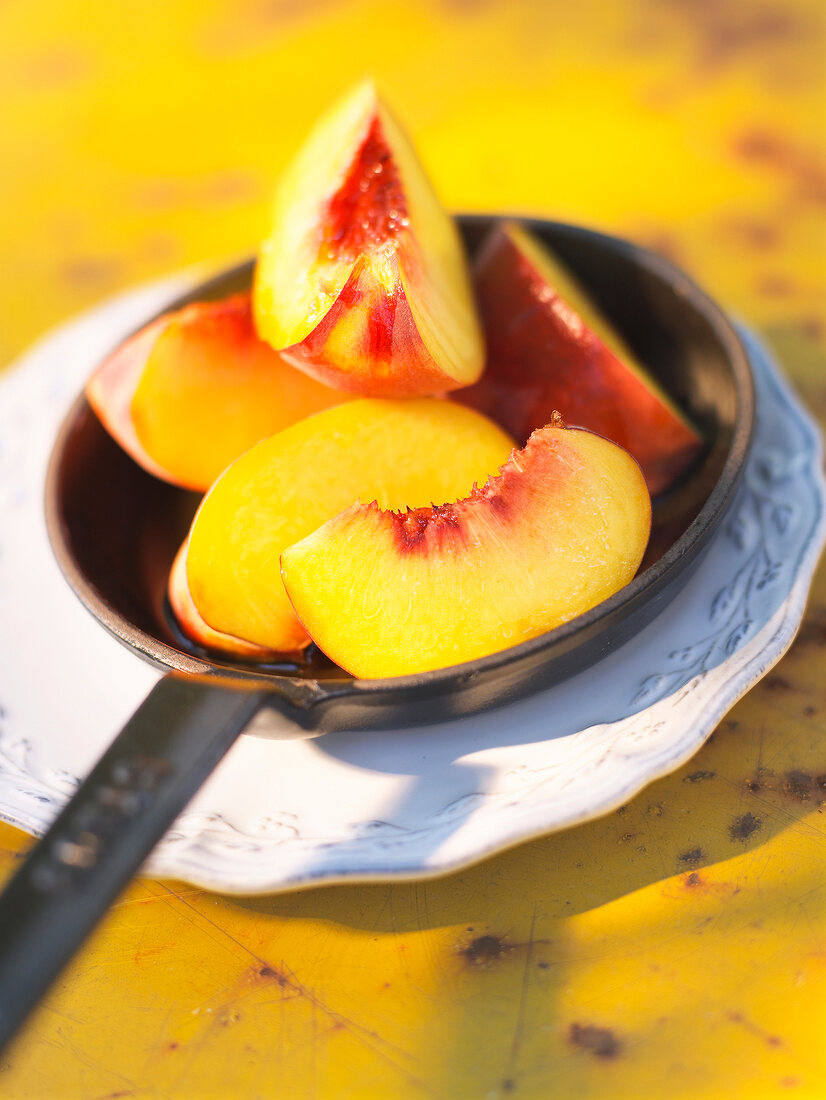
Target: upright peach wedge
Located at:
point(362, 281)
point(388, 593)
point(550, 348)
point(399, 452)
point(190, 392)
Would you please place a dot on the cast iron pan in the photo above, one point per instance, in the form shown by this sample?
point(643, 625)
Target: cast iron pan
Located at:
point(115, 530)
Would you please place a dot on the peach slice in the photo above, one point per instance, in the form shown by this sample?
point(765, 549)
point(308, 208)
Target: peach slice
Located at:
point(193, 390)
point(399, 452)
point(563, 527)
point(550, 348)
point(194, 627)
point(362, 282)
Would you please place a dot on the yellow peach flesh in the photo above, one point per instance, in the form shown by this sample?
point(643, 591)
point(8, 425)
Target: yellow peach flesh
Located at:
point(194, 627)
point(563, 527)
point(397, 452)
point(197, 388)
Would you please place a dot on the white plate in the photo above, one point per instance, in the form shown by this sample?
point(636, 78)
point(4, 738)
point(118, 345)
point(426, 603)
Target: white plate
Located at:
point(412, 802)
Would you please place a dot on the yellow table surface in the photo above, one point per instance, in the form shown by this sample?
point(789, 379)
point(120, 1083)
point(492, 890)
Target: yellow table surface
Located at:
point(663, 951)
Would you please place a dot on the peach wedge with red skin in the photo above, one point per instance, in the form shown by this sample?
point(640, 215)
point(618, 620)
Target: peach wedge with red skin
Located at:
point(401, 452)
point(550, 348)
point(362, 282)
point(193, 390)
point(562, 528)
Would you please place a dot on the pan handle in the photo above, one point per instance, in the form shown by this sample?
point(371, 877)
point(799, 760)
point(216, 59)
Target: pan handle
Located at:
point(100, 839)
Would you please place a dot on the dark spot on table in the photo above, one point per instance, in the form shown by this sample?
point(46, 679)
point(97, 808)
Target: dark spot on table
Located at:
point(90, 272)
point(484, 950)
point(775, 285)
point(599, 1041)
point(813, 629)
point(508, 1085)
point(812, 328)
point(725, 31)
point(798, 785)
point(798, 164)
point(699, 777)
point(768, 1038)
point(271, 974)
point(693, 855)
point(763, 779)
point(760, 146)
point(759, 235)
point(775, 682)
point(695, 883)
point(744, 826)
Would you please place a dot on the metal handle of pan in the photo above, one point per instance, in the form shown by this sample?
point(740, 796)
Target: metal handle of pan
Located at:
point(100, 839)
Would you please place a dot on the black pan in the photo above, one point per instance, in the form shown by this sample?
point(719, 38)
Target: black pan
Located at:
point(115, 530)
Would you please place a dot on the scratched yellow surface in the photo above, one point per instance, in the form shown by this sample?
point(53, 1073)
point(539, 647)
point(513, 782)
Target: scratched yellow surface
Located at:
point(676, 948)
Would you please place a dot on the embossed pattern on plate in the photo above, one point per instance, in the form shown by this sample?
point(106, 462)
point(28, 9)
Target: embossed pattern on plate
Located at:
point(406, 803)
